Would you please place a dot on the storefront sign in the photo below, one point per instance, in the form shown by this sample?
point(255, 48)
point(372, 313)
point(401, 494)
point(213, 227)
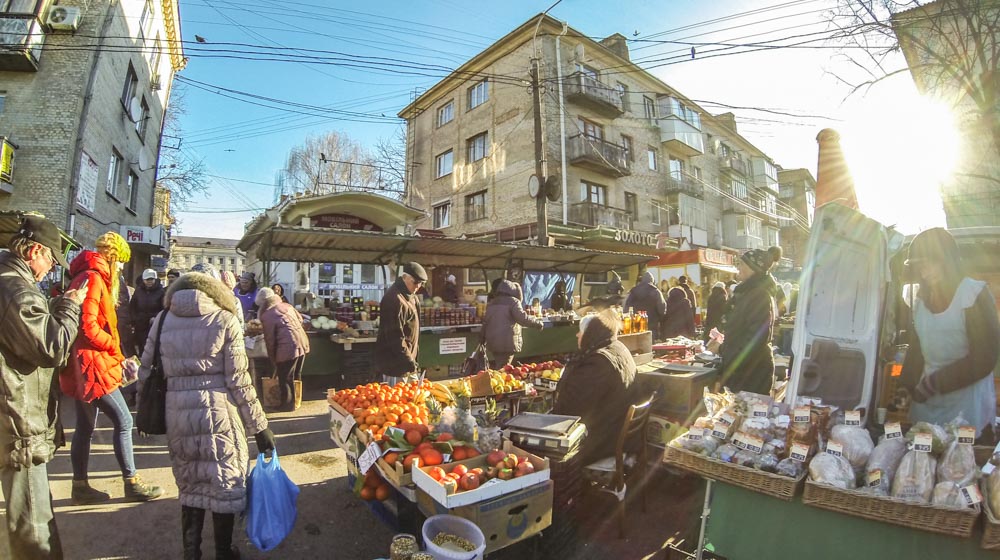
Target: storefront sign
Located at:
point(636, 237)
point(143, 235)
point(451, 346)
point(354, 286)
point(6, 161)
point(343, 221)
point(716, 256)
point(86, 190)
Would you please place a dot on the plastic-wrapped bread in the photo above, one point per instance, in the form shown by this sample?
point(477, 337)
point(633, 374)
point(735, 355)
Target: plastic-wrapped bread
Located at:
point(833, 470)
point(958, 464)
point(948, 494)
point(914, 479)
point(886, 457)
point(857, 444)
point(993, 491)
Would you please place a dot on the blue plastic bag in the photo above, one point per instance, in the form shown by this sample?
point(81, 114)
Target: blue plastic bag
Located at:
point(272, 498)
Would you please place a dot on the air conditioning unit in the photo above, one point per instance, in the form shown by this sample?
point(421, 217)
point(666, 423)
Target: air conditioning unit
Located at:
point(154, 82)
point(63, 18)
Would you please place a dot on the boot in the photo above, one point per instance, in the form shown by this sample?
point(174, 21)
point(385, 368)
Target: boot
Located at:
point(83, 494)
point(192, 519)
point(138, 491)
point(223, 524)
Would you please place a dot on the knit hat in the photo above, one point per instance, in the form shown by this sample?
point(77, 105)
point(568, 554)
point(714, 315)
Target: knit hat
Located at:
point(206, 269)
point(760, 260)
point(174, 272)
point(111, 241)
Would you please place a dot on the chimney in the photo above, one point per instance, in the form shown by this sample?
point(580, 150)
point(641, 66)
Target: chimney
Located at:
point(727, 120)
point(833, 179)
point(617, 44)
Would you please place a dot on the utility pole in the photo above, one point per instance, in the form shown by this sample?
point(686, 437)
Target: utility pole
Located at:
point(541, 200)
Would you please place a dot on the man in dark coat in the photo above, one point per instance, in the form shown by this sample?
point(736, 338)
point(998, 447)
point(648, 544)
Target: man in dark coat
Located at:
point(399, 325)
point(645, 296)
point(146, 303)
point(679, 320)
point(682, 283)
point(502, 324)
point(36, 339)
point(715, 309)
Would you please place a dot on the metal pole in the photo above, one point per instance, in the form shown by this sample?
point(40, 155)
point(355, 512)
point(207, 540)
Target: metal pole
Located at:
point(706, 510)
point(540, 202)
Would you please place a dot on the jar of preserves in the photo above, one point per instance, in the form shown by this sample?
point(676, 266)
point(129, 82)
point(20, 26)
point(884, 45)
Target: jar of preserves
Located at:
point(403, 547)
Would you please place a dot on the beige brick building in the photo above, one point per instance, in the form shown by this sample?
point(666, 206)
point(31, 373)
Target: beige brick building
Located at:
point(83, 89)
point(186, 252)
point(644, 164)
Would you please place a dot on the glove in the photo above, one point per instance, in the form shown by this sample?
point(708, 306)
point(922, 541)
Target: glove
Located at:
point(924, 390)
point(265, 441)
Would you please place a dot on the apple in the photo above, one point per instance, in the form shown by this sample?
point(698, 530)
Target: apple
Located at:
point(437, 473)
point(510, 461)
point(505, 474)
point(460, 470)
point(495, 456)
point(524, 468)
point(478, 470)
point(469, 481)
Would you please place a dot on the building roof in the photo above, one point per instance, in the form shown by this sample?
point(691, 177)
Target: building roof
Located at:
point(184, 241)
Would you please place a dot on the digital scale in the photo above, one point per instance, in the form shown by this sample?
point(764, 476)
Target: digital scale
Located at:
point(552, 435)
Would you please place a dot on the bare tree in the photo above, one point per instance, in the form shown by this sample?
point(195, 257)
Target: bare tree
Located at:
point(333, 162)
point(178, 172)
point(390, 155)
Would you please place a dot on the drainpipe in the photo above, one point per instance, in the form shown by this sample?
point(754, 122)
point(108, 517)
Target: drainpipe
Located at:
point(562, 126)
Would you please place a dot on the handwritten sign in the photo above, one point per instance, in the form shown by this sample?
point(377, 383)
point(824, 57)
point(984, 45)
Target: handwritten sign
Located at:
point(345, 427)
point(451, 346)
point(369, 457)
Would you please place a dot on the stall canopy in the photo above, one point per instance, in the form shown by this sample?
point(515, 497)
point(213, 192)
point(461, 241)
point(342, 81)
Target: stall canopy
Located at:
point(314, 244)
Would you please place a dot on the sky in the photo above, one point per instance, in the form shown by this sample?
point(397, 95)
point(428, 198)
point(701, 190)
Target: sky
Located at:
point(244, 140)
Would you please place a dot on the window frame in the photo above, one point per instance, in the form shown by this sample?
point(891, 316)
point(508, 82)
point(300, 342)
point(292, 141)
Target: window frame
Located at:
point(471, 145)
point(587, 125)
point(141, 124)
point(130, 89)
point(628, 146)
point(450, 106)
point(649, 107)
point(437, 163)
point(591, 190)
point(34, 8)
point(655, 217)
point(146, 20)
point(480, 91)
point(114, 178)
point(623, 94)
point(652, 158)
point(439, 224)
point(132, 189)
point(632, 205)
point(470, 206)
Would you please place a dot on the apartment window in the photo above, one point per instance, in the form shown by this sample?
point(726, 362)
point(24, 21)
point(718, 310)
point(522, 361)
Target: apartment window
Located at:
point(114, 173)
point(654, 216)
point(145, 20)
point(748, 226)
point(232, 262)
point(739, 188)
point(446, 113)
point(651, 158)
point(155, 55)
point(132, 189)
point(475, 276)
point(772, 237)
point(130, 88)
point(594, 193)
point(586, 70)
point(696, 171)
point(632, 205)
point(676, 168)
point(649, 107)
point(475, 206)
point(691, 211)
point(591, 129)
point(479, 94)
point(477, 147)
point(442, 215)
point(140, 125)
point(623, 94)
point(724, 150)
point(627, 148)
point(444, 164)
point(18, 6)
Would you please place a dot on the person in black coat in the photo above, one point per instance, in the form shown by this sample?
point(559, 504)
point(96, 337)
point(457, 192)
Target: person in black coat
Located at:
point(598, 384)
point(747, 360)
point(679, 321)
point(682, 283)
point(715, 308)
point(502, 324)
point(560, 300)
point(450, 292)
point(399, 325)
point(146, 303)
point(645, 296)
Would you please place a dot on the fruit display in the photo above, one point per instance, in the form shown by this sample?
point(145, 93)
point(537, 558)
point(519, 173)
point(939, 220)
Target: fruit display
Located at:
point(551, 370)
point(500, 382)
point(377, 407)
point(501, 465)
point(414, 445)
point(374, 488)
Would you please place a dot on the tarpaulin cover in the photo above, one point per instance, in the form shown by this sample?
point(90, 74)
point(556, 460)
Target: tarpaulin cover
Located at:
point(542, 285)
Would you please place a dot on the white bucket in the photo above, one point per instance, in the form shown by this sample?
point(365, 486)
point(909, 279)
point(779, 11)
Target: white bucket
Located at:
point(453, 526)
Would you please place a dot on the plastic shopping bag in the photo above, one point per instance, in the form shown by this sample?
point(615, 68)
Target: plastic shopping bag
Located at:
point(272, 498)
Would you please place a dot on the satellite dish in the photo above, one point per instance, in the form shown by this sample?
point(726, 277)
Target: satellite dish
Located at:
point(533, 186)
point(144, 160)
point(553, 188)
point(134, 110)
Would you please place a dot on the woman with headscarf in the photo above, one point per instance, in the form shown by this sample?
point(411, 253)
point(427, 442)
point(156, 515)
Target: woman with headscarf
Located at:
point(747, 359)
point(211, 405)
point(94, 375)
point(679, 319)
point(715, 309)
point(450, 291)
point(598, 385)
point(286, 342)
point(953, 347)
point(560, 299)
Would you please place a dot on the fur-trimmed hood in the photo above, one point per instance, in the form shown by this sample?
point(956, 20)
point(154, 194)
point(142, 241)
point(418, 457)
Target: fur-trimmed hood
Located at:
point(186, 295)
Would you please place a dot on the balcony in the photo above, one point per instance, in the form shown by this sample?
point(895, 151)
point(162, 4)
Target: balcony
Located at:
point(680, 136)
point(21, 39)
point(590, 214)
point(585, 90)
point(685, 184)
point(732, 164)
point(598, 155)
point(743, 206)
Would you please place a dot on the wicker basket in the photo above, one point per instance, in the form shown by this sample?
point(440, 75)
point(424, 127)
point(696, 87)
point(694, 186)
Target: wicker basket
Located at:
point(774, 485)
point(991, 525)
point(925, 517)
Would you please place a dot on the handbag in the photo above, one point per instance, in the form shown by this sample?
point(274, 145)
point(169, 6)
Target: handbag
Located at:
point(151, 409)
point(476, 361)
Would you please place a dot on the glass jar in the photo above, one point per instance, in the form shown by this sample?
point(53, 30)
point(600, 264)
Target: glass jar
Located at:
point(403, 547)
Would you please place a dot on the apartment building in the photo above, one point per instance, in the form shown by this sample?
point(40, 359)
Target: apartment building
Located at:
point(797, 190)
point(186, 252)
point(83, 90)
point(637, 165)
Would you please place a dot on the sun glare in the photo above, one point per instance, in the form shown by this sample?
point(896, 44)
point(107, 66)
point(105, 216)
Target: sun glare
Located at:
point(900, 149)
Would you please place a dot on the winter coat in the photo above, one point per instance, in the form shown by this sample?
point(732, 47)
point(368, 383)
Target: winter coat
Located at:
point(646, 297)
point(247, 302)
point(747, 360)
point(598, 385)
point(679, 320)
point(560, 300)
point(36, 339)
point(145, 304)
point(504, 318)
point(96, 367)
point(689, 292)
point(283, 333)
point(211, 402)
point(450, 293)
point(715, 309)
point(398, 332)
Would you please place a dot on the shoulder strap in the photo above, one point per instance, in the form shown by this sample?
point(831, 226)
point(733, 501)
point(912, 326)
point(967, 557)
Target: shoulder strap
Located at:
point(156, 345)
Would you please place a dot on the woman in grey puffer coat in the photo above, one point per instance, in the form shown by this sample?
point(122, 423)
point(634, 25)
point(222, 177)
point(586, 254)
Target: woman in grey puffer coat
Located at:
point(503, 321)
point(211, 404)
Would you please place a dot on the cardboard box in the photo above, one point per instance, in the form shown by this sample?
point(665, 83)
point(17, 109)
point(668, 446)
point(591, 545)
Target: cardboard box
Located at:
point(504, 520)
point(490, 489)
point(394, 473)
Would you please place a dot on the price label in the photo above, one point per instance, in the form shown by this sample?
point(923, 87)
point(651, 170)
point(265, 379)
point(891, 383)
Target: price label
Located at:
point(800, 452)
point(875, 478)
point(720, 431)
point(801, 415)
point(754, 444)
point(852, 418)
point(727, 419)
point(966, 435)
point(760, 410)
point(695, 435)
point(834, 448)
point(923, 442)
point(369, 457)
point(345, 427)
point(972, 495)
point(738, 441)
point(893, 430)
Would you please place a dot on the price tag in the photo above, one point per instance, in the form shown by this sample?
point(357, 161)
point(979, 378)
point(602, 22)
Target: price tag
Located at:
point(875, 478)
point(727, 419)
point(966, 435)
point(852, 418)
point(923, 442)
point(800, 452)
point(760, 410)
point(738, 441)
point(369, 457)
point(893, 430)
point(720, 431)
point(972, 495)
point(695, 435)
point(753, 444)
point(834, 448)
point(345, 427)
point(801, 415)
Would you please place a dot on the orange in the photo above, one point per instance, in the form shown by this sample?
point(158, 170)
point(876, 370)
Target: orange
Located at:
point(392, 417)
point(367, 493)
point(383, 492)
point(413, 437)
point(406, 417)
point(431, 456)
point(391, 457)
point(370, 419)
point(459, 454)
point(471, 452)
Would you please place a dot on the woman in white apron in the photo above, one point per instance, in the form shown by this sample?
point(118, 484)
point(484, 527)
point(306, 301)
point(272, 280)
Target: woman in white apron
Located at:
point(950, 363)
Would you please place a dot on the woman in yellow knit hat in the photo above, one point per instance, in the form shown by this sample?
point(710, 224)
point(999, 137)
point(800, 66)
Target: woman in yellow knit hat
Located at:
point(94, 374)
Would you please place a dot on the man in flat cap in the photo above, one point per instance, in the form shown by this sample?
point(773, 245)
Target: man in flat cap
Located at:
point(399, 325)
point(35, 342)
